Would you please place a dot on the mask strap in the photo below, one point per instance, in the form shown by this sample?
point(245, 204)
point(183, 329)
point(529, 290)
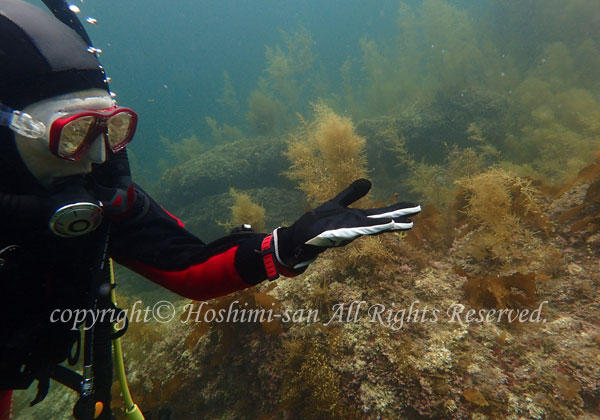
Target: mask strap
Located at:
point(21, 123)
point(5, 115)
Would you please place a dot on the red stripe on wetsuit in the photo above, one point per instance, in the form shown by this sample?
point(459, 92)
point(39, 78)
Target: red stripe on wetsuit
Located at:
point(212, 278)
point(5, 403)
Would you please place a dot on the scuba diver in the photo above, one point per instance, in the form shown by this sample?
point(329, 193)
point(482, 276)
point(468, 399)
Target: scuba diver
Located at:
point(68, 204)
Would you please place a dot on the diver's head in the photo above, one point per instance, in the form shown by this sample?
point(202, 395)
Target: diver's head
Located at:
point(73, 131)
point(48, 72)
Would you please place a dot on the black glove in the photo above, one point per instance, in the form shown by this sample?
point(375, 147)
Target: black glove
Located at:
point(118, 201)
point(113, 186)
point(333, 224)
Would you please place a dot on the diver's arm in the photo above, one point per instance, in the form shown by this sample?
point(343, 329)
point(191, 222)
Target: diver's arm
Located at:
point(200, 271)
point(5, 404)
point(153, 243)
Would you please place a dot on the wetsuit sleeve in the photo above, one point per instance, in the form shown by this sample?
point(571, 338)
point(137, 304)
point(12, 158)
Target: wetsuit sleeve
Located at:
point(5, 404)
point(155, 244)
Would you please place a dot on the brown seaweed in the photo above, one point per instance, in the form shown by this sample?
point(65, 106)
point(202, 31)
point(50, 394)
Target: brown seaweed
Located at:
point(499, 292)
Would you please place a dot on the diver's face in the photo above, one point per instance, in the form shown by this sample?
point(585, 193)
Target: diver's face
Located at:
point(36, 154)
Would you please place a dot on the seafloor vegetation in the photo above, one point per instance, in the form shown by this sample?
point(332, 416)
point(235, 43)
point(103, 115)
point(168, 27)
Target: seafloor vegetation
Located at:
point(491, 120)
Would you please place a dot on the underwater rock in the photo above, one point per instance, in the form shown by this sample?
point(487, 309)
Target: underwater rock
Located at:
point(56, 405)
point(241, 165)
point(427, 132)
point(428, 128)
point(202, 215)
point(259, 162)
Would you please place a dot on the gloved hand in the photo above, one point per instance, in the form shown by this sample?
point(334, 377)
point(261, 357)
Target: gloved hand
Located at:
point(333, 224)
point(118, 201)
point(113, 186)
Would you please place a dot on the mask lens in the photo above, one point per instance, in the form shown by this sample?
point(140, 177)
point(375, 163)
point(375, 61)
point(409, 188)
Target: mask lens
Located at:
point(119, 128)
point(73, 135)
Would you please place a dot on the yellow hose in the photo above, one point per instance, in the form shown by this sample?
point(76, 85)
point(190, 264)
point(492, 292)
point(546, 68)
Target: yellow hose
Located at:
point(132, 411)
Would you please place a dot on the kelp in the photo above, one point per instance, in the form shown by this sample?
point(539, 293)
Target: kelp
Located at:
point(286, 65)
point(184, 149)
point(224, 133)
point(499, 292)
point(435, 183)
point(585, 217)
point(428, 229)
point(266, 114)
point(473, 395)
point(496, 193)
point(312, 389)
point(245, 211)
point(503, 220)
point(326, 155)
point(230, 331)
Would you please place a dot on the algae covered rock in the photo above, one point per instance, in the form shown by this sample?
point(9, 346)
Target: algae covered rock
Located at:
point(242, 164)
point(197, 191)
point(427, 128)
point(428, 132)
point(202, 217)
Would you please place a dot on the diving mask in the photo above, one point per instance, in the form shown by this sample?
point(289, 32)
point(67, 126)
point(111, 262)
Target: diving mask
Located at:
point(71, 134)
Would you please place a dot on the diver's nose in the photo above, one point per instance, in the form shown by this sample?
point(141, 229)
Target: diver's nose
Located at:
point(97, 151)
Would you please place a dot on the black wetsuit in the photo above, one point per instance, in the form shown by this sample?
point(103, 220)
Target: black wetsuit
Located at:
point(41, 273)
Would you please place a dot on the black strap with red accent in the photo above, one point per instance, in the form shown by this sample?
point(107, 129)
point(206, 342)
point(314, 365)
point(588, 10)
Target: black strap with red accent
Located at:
point(272, 266)
point(268, 255)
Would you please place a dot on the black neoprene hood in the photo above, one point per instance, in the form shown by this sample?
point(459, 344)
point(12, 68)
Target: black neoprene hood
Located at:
point(40, 57)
